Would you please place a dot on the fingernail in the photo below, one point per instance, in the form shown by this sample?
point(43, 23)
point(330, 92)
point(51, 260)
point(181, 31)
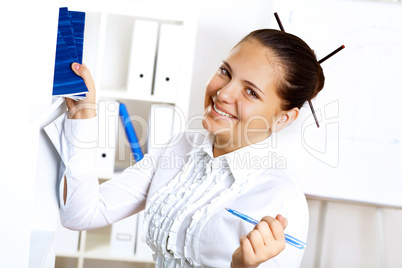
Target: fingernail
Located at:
point(76, 66)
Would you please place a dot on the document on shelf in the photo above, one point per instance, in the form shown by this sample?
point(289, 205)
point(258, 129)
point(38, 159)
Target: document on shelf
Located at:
point(123, 237)
point(142, 59)
point(108, 118)
point(168, 60)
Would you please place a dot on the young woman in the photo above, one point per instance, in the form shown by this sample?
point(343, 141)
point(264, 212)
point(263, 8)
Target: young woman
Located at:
point(258, 89)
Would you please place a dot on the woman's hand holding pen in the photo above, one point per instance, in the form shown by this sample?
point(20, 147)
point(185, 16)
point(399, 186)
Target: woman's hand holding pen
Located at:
point(86, 108)
point(263, 243)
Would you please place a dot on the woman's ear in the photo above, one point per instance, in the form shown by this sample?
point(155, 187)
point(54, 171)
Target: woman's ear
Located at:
point(285, 119)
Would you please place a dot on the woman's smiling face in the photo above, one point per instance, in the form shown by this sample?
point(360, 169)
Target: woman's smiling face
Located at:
point(241, 103)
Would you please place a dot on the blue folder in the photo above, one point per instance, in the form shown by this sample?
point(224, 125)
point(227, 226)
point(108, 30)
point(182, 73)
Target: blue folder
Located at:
point(69, 49)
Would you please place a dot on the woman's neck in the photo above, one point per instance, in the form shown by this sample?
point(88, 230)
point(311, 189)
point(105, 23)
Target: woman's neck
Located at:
point(221, 147)
point(218, 150)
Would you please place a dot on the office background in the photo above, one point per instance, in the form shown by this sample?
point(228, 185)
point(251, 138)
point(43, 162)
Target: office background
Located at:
point(342, 233)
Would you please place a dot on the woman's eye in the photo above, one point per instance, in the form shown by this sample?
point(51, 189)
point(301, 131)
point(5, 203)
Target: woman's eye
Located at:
point(252, 93)
point(223, 71)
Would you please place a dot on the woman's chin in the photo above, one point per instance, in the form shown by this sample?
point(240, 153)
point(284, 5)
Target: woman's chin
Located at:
point(206, 123)
point(205, 126)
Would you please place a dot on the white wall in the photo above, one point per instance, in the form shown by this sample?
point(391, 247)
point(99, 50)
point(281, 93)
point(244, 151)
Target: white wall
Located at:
point(353, 235)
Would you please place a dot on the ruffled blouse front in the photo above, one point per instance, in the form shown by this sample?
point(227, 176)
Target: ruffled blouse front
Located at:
point(177, 213)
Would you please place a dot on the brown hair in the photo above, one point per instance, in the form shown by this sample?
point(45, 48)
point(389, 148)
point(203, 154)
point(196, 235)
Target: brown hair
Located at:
point(301, 76)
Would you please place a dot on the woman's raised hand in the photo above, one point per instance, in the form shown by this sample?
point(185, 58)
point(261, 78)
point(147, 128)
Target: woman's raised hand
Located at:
point(86, 108)
point(264, 242)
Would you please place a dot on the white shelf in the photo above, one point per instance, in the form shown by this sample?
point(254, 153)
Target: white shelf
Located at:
point(97, 246)
point(115, 174)
point(122, 94)
point(69, 255)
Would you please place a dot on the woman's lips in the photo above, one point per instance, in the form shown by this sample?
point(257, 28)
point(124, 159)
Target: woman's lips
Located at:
point(221, 111)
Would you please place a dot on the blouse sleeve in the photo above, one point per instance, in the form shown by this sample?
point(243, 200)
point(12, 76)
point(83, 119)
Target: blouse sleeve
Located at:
point(88, 204)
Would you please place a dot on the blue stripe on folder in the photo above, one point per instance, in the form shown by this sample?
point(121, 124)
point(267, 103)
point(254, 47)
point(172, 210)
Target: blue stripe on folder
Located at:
point(65, 81)
point(78, 25)
point(66, 31)
point(130, 133)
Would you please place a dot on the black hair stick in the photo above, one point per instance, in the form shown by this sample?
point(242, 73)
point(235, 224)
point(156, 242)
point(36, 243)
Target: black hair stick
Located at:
point(312, 110)
point(279, 22)
point(331, 54)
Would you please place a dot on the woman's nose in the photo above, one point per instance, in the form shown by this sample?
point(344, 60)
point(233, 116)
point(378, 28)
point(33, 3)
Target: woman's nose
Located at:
point(228, 93)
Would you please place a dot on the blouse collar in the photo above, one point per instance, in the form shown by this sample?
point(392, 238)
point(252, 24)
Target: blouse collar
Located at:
point(242, 162)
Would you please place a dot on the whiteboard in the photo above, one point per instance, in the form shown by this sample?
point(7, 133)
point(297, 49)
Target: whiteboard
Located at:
point(356, 154)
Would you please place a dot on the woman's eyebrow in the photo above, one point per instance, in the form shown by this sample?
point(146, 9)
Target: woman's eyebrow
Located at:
point(247, 82)
point(227, 66)
point(254, 86)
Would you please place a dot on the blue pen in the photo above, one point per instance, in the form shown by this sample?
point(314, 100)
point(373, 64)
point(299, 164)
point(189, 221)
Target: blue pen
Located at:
point(289, 239)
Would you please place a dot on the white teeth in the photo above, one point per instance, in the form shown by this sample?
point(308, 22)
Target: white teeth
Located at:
point(222, 113)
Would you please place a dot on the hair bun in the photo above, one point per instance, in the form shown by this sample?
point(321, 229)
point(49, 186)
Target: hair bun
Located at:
point(319, 81)
point(301, 77)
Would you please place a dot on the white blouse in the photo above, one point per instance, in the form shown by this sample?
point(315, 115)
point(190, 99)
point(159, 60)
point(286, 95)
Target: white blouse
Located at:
point(185, 191)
